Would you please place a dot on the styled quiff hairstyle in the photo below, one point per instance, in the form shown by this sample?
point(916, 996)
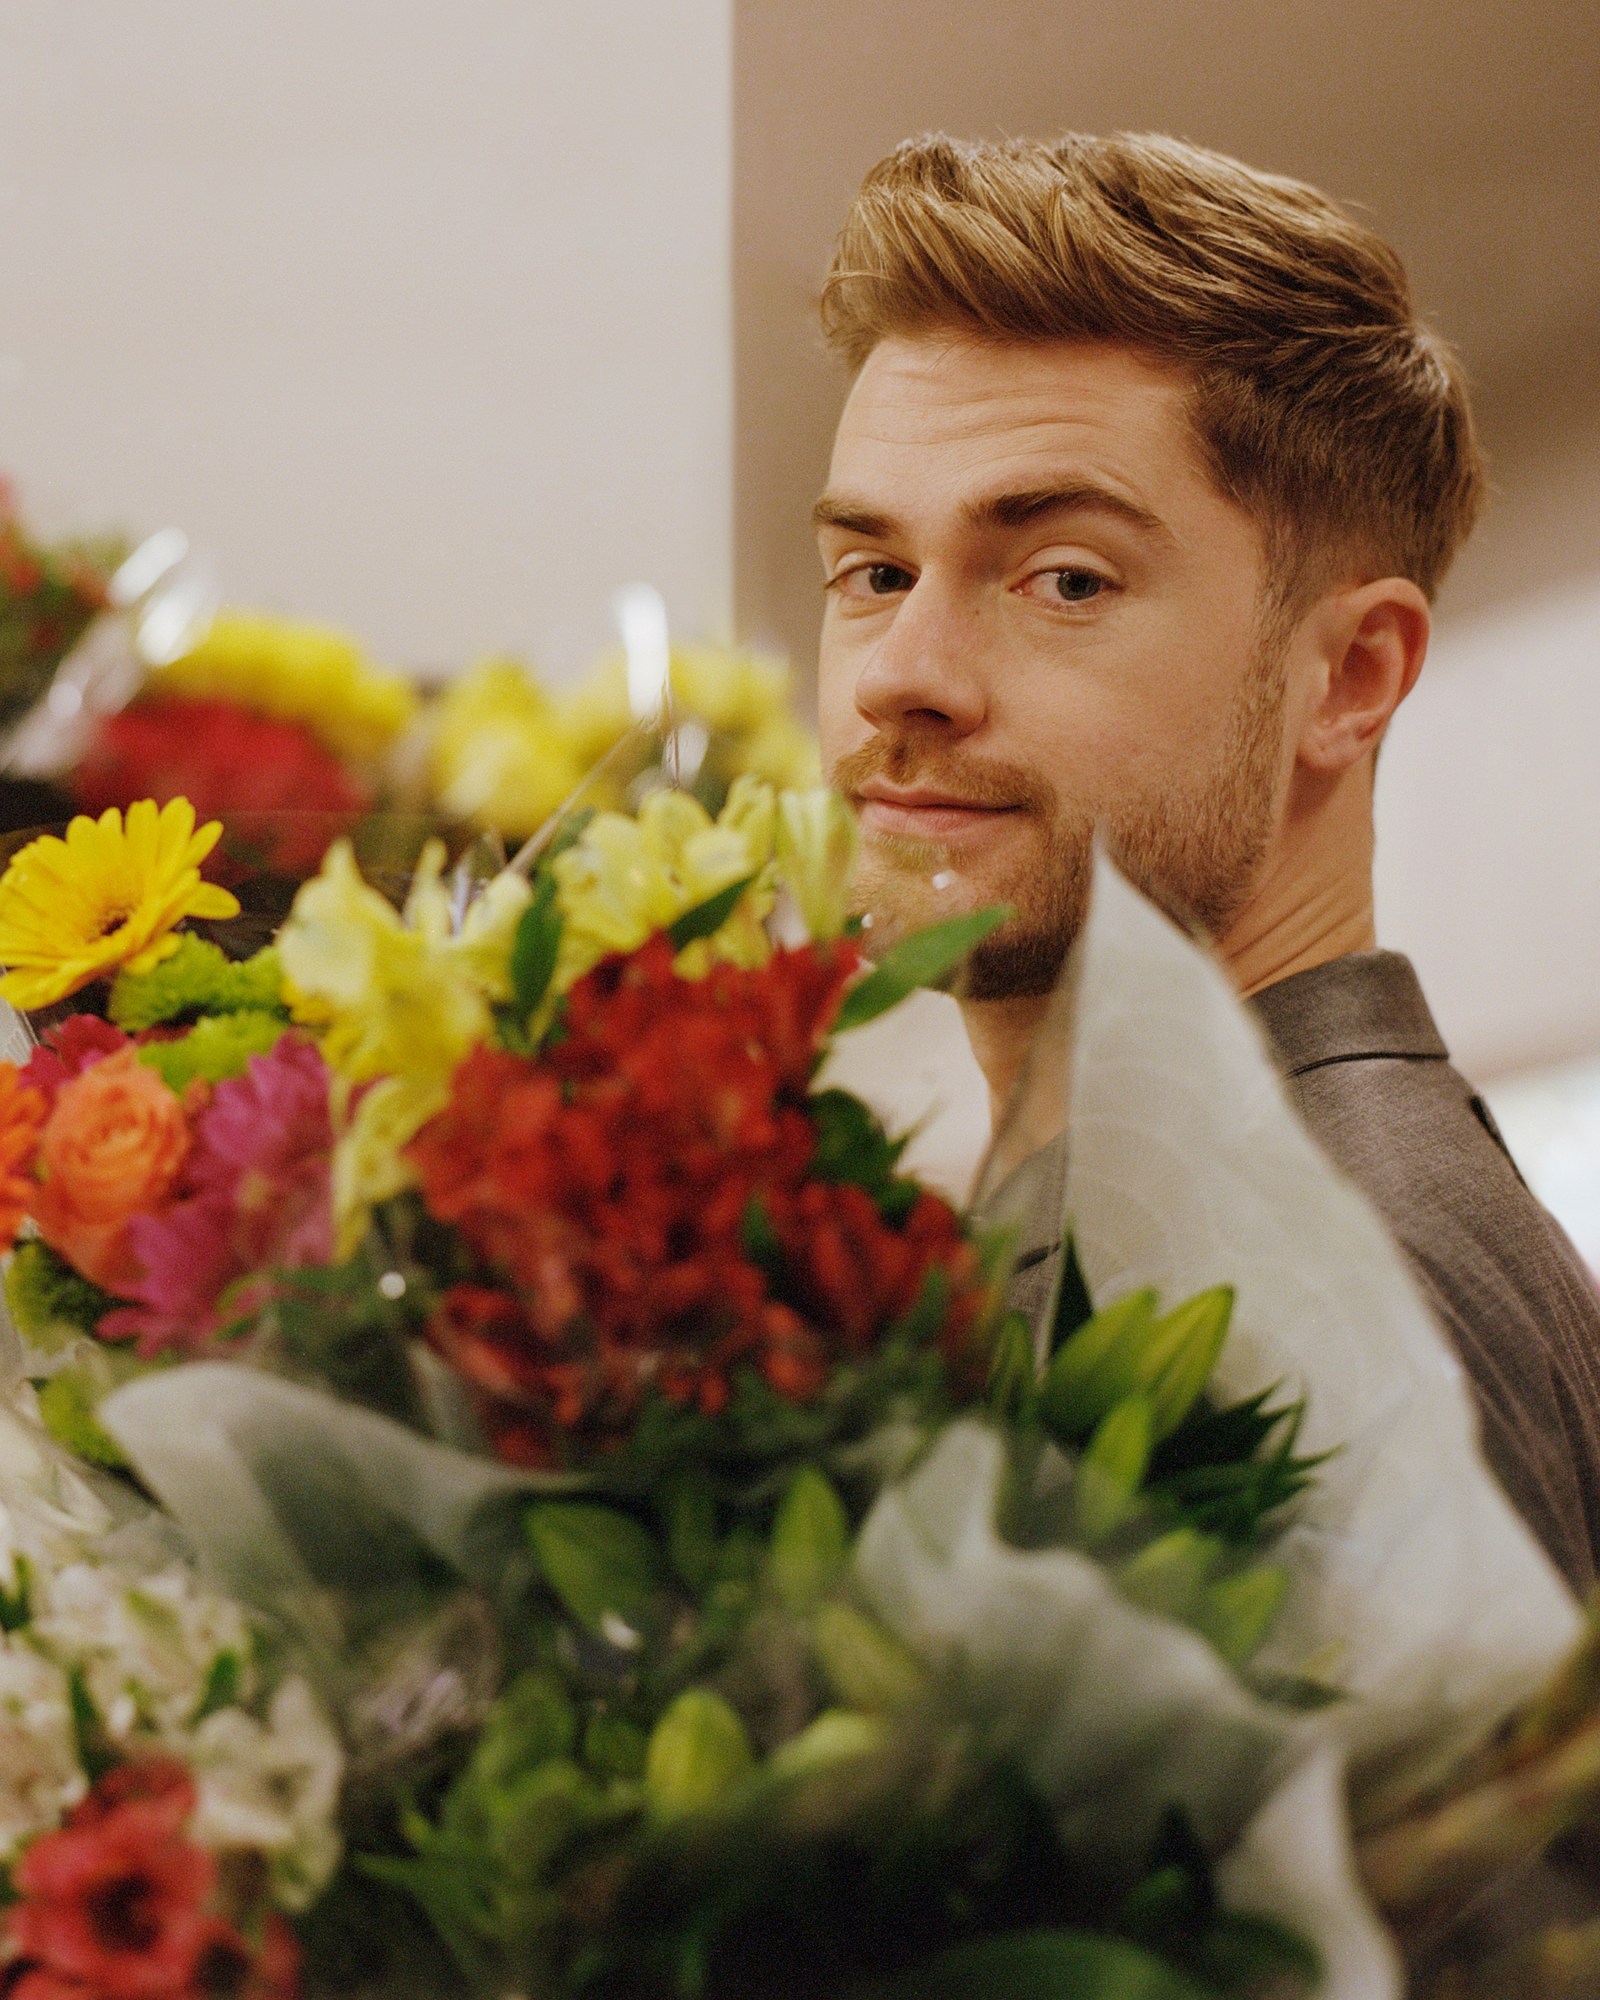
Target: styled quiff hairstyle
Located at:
point(1322, 406)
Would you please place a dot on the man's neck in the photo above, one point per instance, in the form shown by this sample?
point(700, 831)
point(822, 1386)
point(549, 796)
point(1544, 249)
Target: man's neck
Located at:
point(1313, 899)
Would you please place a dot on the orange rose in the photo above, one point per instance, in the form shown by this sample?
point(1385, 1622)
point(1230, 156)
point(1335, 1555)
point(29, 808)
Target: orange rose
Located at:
point(21, 1115)
point(110, 1150)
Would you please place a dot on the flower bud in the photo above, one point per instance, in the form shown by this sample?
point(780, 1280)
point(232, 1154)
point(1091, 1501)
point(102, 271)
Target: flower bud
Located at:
point(697, 1751)
point(817, 843)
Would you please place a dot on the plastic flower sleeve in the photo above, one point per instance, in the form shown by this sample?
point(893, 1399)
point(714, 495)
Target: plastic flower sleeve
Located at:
point(1417, 1590)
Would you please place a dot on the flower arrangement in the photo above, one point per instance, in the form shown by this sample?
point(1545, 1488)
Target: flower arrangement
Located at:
point(165, 1795)
point(48, 598)
point(285, 727)
point(713, 1591)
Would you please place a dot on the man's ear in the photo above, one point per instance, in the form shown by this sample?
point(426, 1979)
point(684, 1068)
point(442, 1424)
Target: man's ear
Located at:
point(1372, 639)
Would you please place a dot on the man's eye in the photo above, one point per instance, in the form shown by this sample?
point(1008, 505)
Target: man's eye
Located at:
point(873, 580)
point(1074, 586)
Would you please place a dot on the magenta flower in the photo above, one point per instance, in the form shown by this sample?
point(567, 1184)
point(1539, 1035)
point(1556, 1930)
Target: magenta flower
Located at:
point(256, 1195)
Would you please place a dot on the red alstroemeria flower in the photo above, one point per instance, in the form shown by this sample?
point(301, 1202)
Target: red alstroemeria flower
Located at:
point(114, 1904)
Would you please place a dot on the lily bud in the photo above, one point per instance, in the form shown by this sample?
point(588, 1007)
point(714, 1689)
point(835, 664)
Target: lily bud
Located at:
point(697, 1751)
point(817, 844)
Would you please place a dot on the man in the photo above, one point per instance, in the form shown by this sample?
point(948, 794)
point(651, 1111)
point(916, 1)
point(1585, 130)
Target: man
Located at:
point(1142, 491)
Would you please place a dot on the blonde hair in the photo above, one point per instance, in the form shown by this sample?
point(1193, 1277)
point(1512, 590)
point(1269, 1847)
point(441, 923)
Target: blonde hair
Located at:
point(1322, 405)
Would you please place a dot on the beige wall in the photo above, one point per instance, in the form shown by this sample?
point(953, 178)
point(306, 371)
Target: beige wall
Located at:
point(415, 314)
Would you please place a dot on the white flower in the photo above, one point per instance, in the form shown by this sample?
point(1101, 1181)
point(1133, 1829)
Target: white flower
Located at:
point(272, 1788)
point(146, 1648)
point(40, 1775)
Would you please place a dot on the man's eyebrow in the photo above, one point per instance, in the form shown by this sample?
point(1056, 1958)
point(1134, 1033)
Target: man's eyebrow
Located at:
point(836, 510)
point(999, 510)
point(1018, 510)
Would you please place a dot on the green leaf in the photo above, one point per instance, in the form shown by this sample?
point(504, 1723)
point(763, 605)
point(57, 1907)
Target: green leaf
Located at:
point(687, 1505)
point(1040, 1965)
point(707, 918)
point(535, 947)
point(95, 1751)
point(224, 1683)
point(851, 1144)
point(1073, 1307)
point(67, 1404)
point(16, 1603)
point(922, 959)
point(697, 1751)
point(1236, 1612)
point(613, 1747)
point(1011, 1370)
point(864, 1662)
point(1096, 1367)
point(49, 1301)
point(1180, 1353)
point(1112, 1468)
point(601, 1564)
point(810, 1540)
point(1169, 1575)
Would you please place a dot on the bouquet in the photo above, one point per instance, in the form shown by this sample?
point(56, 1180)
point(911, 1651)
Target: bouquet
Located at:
point(712, 1590)
point(295, 737)
point(48, 598)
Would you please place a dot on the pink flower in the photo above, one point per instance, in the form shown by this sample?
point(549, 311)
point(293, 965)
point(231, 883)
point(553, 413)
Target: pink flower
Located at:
point(255, 1195)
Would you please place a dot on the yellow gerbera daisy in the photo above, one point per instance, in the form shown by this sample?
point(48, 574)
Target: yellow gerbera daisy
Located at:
point(107, 896)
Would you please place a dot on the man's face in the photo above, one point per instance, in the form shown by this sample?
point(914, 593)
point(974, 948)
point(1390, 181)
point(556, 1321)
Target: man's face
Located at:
point(1042, 617)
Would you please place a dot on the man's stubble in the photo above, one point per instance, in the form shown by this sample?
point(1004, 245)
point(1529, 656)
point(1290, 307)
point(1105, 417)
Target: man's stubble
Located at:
point(1195, 848)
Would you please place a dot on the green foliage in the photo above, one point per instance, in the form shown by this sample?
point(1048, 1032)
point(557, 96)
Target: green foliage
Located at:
point(707, 918)
point(1112, 1468)
point(600, 1563)
point(198, 979)
point(332, 1325)
point(810, 1540)
point(853, 1146)
point(224, 1684)
point(50, 1303)
point(923, 959)
point(1011, 1385)
point(16, 1600)
point(1222, 1470)
point(535, 947)
point(1094, 1369)
point(68, 1401)
point(219, 1046)
point(1072, 1301)
point(1041, 1965)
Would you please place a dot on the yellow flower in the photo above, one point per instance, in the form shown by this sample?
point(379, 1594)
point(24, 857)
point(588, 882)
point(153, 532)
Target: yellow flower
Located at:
point(733, 693)
point(298, 673)
point(399, 998)
point(817, 843)
point(501, 757)
point(782, 750)
point(627, 878)
point(594, 714)
point(107, 897)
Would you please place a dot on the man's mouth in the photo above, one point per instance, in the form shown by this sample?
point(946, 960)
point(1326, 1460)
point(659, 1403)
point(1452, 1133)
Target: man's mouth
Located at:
point(925, 812)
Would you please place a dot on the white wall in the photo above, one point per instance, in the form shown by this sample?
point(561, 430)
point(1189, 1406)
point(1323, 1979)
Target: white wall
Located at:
point(1489, 832)
point(417, 315)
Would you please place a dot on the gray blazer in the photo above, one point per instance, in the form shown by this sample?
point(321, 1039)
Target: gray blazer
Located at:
point(1369, 1074)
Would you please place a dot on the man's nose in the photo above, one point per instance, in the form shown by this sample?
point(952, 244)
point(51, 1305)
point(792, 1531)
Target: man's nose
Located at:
point(927, 668)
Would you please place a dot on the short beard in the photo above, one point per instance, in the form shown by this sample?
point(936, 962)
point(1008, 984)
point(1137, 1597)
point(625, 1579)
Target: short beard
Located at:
point(1195, 851)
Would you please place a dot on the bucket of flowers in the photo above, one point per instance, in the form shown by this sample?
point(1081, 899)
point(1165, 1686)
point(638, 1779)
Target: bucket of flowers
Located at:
point(713, 1590)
